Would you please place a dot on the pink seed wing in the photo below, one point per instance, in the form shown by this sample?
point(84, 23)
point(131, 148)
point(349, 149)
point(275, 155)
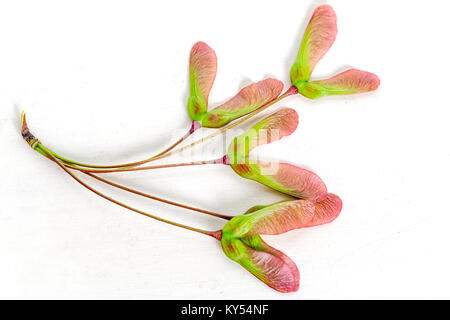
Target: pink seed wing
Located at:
point(276, 126)
point(203, 62)
point(348, 82)
point(317, 40)
point(280, 272)
point(279, 218)
point(245, 101)
point(202, 72)
point(253, 95)
point(292, 180)
point(326, 211)
point(267, 264)
point(353, 80)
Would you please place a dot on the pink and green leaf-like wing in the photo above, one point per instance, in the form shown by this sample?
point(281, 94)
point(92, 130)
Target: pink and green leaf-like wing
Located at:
point(284, 177)
point(202, 72)
point(241, 240)
point(274, 219)
point(348, 82)
point(326, 210)
point(269, 265)
point(276, 126)
point(317, 40)
point(245, 101)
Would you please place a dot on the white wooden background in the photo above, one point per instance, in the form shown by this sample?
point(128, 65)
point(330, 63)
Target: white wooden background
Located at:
point(106, 81)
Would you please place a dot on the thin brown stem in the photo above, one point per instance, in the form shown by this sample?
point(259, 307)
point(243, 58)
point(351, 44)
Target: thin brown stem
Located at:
point(157, 198)
point(218, 215)
point(195, 125)
point(214, 234)
point(163, 166)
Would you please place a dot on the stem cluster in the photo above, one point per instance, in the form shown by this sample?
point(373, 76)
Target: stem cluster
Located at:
point(92, 170)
